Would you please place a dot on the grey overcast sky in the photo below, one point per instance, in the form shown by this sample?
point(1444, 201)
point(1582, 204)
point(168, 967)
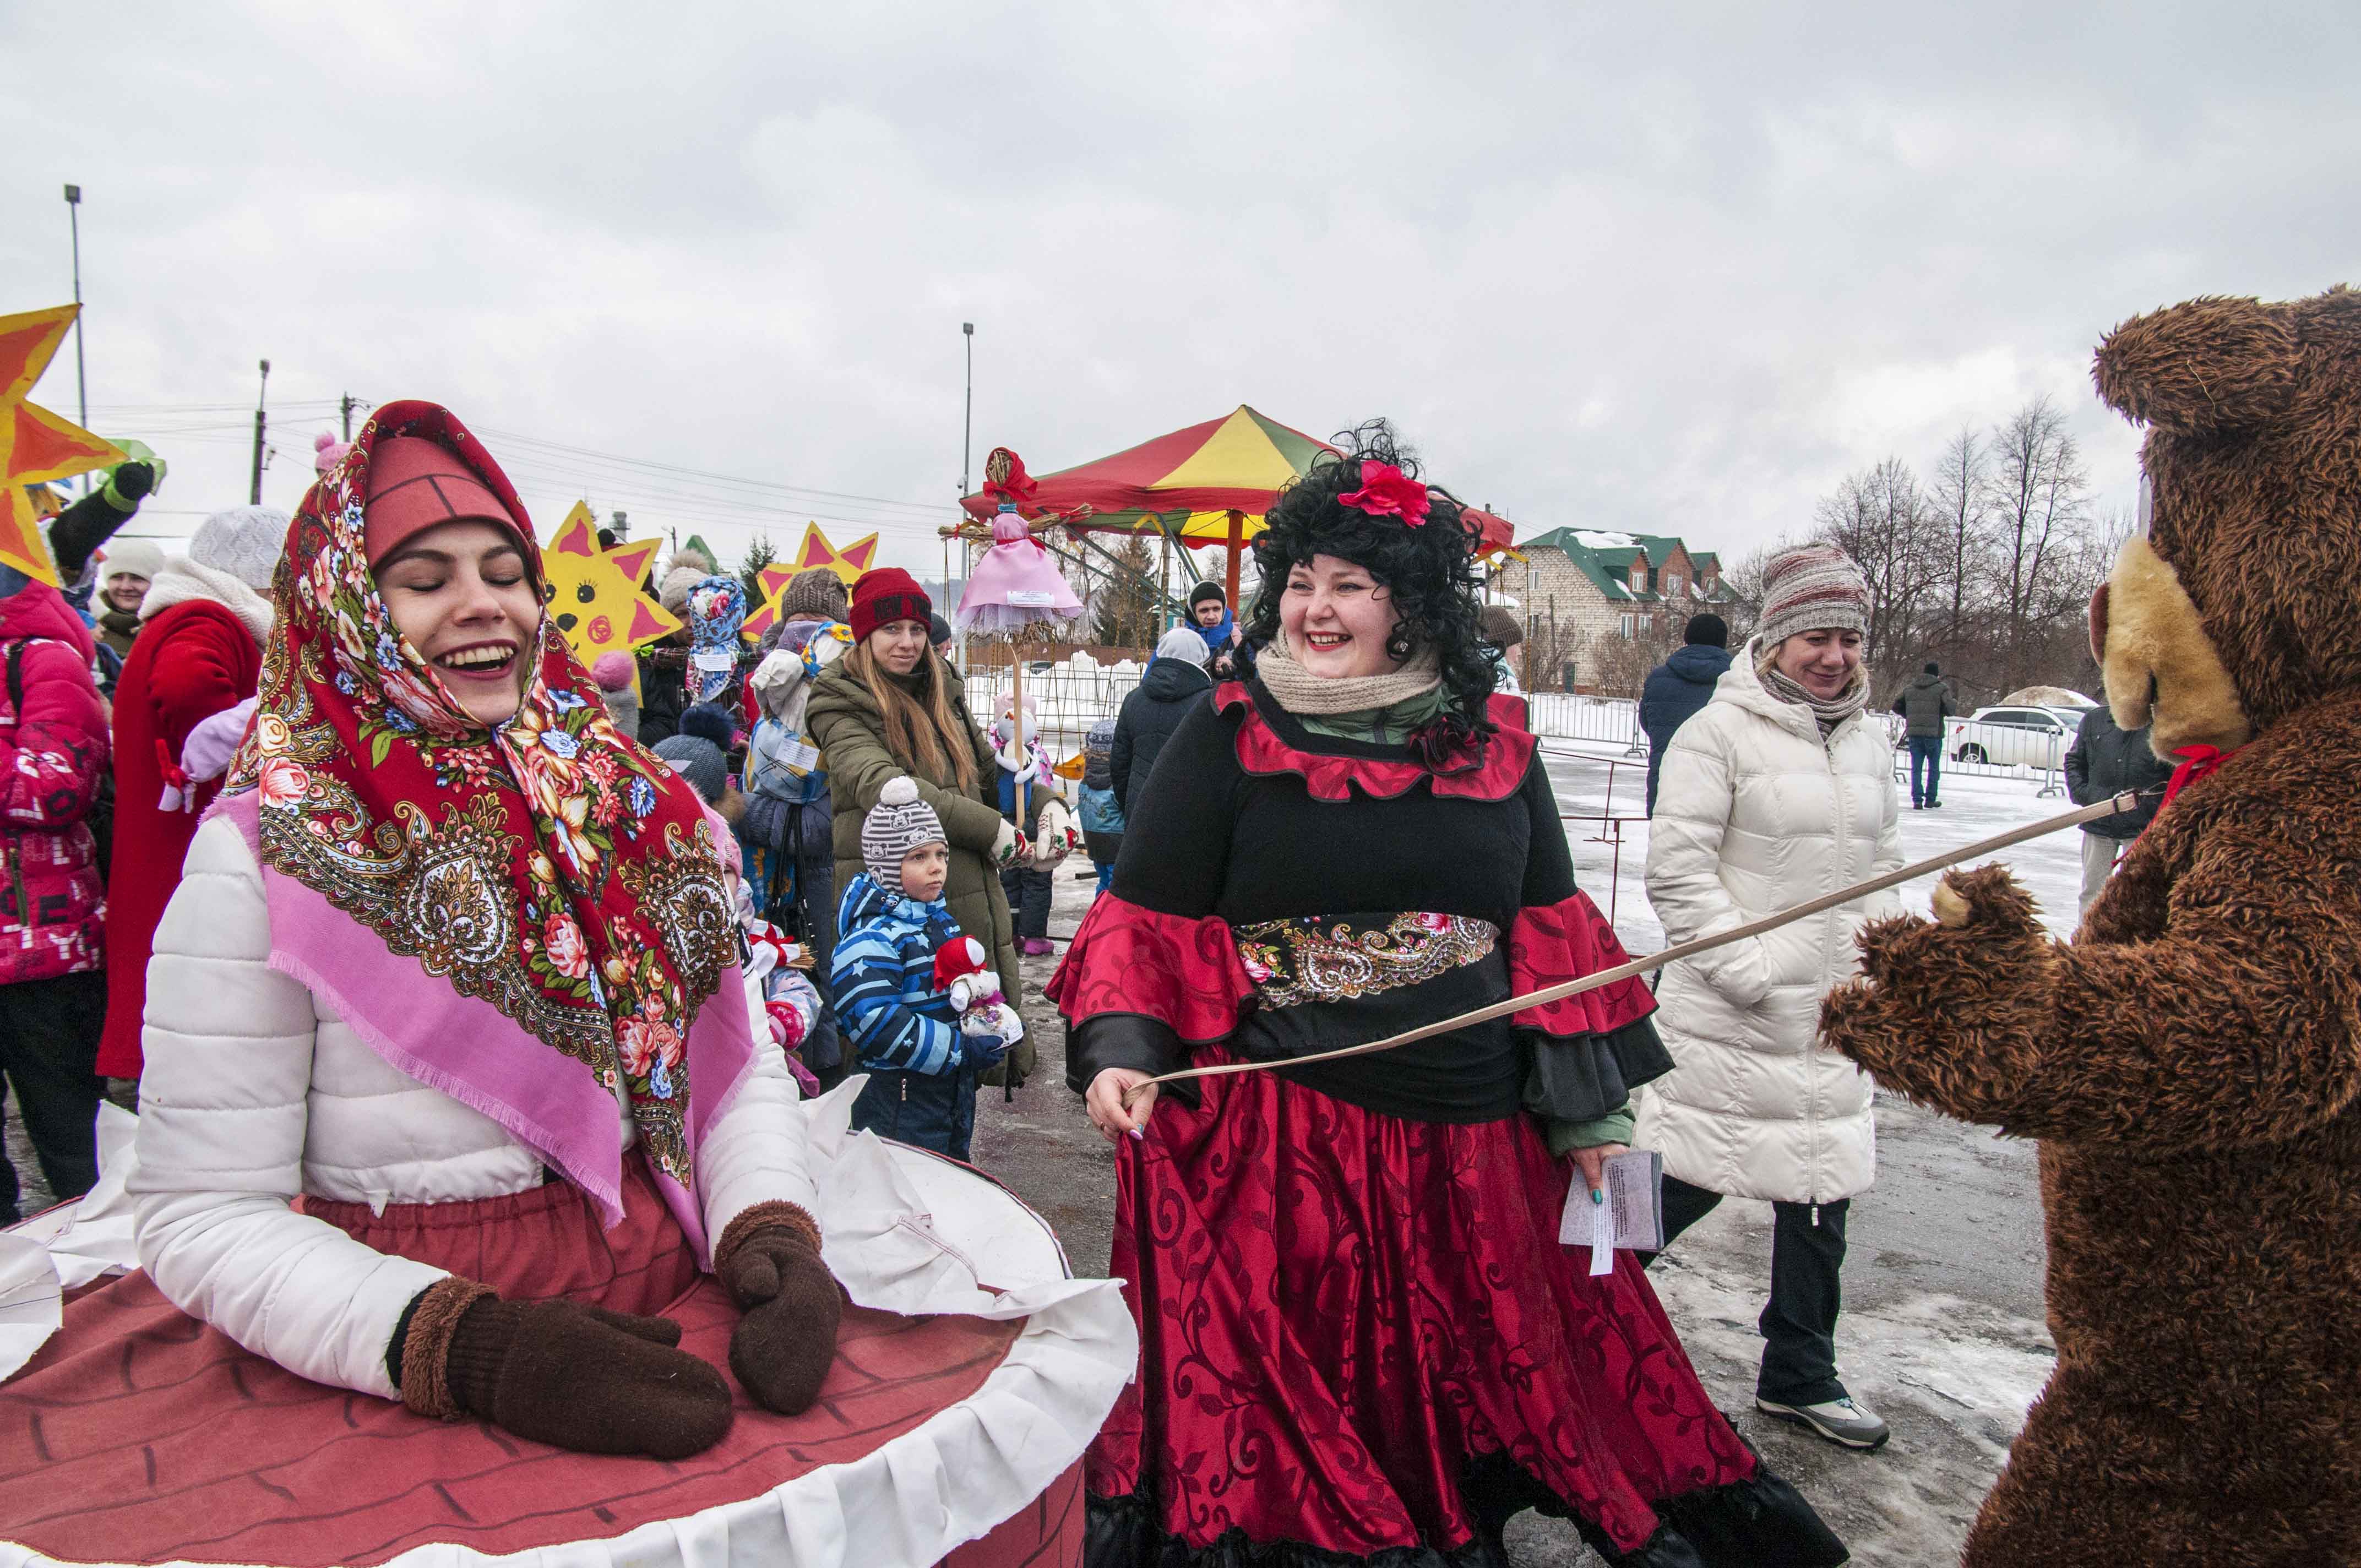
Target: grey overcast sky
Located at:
point(1665, 267)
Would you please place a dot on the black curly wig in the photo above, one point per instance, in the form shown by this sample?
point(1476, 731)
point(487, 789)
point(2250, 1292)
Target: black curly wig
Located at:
point(1429, 570)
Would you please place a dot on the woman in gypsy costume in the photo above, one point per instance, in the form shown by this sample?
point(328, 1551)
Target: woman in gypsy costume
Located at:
point(1361, 1340)
point(451, 1089)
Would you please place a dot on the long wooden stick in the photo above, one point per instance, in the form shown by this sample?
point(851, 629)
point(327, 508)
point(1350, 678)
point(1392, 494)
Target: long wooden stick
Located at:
point(2126, 800)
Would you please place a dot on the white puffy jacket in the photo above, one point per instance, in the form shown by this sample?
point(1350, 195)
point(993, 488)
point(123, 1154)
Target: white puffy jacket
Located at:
point(1754, 814)
point(255, 1091)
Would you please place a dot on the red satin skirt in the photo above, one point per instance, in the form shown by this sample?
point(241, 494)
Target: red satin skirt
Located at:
point(1359, 1336)
point(139, 1435)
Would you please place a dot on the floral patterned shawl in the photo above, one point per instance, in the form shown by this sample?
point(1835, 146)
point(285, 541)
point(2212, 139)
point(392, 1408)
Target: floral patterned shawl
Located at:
point(526, 917)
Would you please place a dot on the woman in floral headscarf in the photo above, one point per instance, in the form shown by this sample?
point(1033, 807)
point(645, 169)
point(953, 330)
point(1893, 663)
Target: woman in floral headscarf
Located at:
point(455, 1106)
point(446, 933)
point(446, 937)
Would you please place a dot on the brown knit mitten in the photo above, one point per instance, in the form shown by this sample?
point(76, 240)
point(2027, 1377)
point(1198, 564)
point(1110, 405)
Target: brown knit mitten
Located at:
point(769, 1260)
point(578, 1377)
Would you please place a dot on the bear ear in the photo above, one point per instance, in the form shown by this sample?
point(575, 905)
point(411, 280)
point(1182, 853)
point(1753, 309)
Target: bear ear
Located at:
point(2206, 366)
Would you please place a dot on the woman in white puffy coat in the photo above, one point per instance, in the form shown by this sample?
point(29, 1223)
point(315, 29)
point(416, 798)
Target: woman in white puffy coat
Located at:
point(1779, 790)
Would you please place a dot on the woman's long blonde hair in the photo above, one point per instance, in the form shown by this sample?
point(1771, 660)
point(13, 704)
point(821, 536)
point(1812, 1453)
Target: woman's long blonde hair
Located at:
point(928, 736)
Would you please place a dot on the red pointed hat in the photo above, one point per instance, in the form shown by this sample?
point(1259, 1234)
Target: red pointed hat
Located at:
point(886, 596)
point(415, 484)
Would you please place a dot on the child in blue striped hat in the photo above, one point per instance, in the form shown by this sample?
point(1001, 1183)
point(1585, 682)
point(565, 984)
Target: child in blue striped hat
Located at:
point(906, 1032)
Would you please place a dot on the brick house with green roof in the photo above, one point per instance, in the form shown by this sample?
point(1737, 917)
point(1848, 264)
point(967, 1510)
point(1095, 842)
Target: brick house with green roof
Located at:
point(1596, 588)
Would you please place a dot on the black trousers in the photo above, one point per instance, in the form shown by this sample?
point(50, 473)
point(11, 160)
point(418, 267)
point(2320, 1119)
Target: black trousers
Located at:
point(1799, 1321)
point(813, 847)
point(1028, 889)
point(49, 1048)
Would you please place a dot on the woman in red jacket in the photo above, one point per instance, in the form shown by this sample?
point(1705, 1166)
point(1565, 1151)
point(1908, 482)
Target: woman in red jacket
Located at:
point(198, 657)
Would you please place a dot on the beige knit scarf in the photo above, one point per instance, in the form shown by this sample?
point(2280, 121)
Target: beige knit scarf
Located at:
point(1829, 712)
point(1299, 691)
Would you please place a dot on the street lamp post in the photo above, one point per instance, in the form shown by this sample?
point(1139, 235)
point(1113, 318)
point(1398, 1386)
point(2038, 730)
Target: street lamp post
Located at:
point(255, 498)
point(967, 447)
point(81, 379)
point(967, 423)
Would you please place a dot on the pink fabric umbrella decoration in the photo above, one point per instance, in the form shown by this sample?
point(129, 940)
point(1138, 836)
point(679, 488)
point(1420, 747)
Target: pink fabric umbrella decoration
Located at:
point(1018, 582)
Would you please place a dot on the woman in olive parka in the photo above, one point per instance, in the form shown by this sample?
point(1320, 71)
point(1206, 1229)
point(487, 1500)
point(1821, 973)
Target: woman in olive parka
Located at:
point(890, 709)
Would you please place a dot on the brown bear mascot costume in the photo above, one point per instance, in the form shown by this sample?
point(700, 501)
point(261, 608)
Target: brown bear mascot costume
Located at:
point(2192, 1062)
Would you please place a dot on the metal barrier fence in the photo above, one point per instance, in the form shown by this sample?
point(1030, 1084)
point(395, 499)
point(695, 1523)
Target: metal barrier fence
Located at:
point(1070, 694)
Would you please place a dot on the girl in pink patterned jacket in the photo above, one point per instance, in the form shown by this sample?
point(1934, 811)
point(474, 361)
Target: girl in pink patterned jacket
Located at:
point(53, 757)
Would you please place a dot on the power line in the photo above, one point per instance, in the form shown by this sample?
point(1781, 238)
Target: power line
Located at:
point(929, 511)
point(706, 497)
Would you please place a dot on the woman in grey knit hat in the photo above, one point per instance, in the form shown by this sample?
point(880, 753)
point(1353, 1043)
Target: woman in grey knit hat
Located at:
point(1777, 790)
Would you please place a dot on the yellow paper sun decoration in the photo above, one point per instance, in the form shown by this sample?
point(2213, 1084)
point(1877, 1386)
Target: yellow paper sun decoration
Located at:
point(36, 445)
point(595, 595)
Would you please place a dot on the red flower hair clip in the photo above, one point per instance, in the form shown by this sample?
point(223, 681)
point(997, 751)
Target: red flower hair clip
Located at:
point(1386, 491)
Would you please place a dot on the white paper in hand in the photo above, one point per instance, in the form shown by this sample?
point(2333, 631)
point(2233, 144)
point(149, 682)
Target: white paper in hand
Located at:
point(1632, 1216)
point(1585, 1222)
point(1635, 1195)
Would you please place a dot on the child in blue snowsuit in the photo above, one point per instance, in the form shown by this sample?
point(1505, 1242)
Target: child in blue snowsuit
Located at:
point(1101, 812)
point(906, 1031)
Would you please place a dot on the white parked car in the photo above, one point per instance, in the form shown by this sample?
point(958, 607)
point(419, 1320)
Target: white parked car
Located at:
point(2035, 737)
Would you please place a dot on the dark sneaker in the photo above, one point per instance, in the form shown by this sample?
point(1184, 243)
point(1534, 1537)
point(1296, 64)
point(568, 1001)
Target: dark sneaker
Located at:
point(1845, 1420)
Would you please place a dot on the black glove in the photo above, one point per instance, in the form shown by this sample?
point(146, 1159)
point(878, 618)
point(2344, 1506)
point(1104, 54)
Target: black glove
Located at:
point(129, 485)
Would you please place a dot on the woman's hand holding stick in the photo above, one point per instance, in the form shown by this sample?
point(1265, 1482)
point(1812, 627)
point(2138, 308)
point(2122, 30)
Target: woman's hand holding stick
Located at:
point(1120, 1101)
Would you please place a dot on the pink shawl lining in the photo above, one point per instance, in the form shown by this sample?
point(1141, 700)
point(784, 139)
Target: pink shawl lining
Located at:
point(470, 1051)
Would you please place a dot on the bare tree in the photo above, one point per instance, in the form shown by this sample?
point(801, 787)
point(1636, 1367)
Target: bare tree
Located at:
point(2043, 544)
point(1959, 496)
point(1551, 648)
point(1879, 518)
point(1619, 665)
point(1744, 582)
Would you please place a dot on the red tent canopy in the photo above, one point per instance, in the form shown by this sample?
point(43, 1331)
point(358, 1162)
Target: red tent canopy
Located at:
point(1208, 483)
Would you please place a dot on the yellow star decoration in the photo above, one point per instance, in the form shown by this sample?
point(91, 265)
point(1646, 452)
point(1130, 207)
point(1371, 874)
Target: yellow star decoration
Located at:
point(595, 595)
point(772, 581)
point(815, 551)
point(36, 445)
point(846, 563)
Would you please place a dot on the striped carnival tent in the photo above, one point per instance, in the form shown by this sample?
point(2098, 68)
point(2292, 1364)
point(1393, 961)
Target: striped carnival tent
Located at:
point(1206, 484)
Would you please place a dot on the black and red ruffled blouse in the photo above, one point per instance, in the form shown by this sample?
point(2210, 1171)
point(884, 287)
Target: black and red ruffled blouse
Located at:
point(1289, 893)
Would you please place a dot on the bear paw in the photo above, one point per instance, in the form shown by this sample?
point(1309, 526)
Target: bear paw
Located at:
point(1944, 1003)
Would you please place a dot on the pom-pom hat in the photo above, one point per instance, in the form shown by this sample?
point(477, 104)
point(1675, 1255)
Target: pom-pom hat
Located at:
point(886, 596)
point(613, 671)
point(899, 823)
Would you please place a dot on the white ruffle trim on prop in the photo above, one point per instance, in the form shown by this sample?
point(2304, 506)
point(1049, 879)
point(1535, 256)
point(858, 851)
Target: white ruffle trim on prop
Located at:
point(903, 1232)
